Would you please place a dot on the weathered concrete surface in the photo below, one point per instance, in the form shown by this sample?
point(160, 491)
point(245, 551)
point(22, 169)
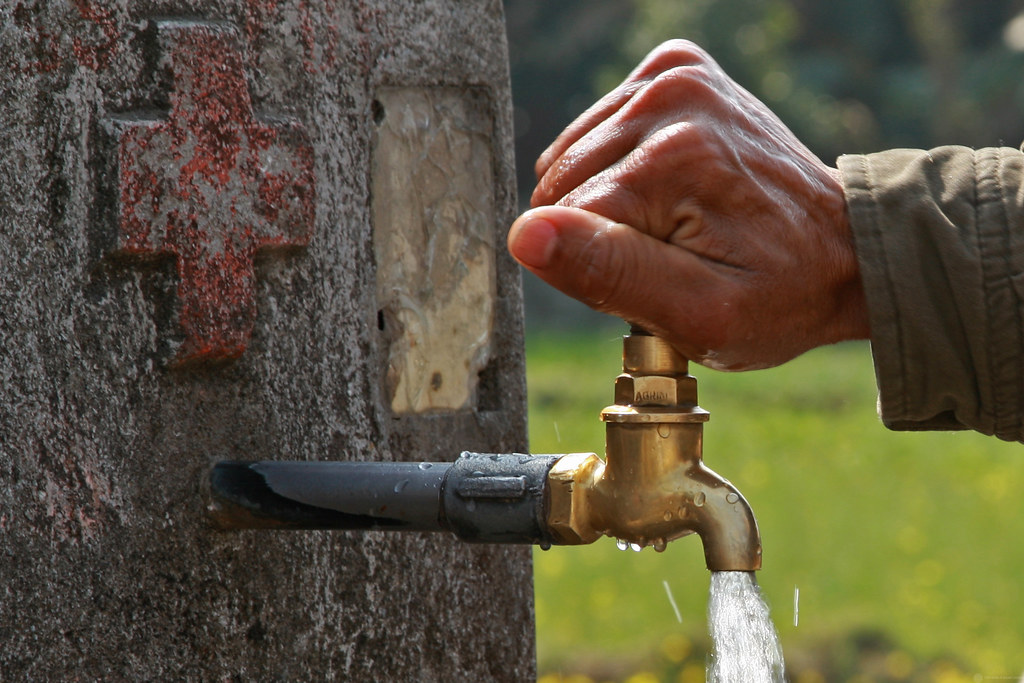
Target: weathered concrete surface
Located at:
point(108, 570)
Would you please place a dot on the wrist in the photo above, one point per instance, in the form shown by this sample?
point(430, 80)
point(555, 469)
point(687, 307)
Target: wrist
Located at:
point(851, 319)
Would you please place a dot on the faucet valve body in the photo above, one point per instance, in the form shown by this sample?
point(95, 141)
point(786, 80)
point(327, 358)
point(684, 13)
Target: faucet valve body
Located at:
point(653, 486)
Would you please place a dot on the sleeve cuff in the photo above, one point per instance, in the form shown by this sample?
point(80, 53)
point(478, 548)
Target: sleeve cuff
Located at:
point(937, 260)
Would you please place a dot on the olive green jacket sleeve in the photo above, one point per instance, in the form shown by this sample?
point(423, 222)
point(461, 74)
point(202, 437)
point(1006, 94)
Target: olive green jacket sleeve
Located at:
point(940, 239)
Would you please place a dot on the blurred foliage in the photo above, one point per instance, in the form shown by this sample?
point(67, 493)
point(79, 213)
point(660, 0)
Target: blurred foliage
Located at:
point(855, 76)
point(847, 76)
point(903, 545)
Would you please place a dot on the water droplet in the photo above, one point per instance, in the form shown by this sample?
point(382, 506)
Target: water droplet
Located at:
point(699, 499)
point(732, 498)
point(667, 516)
point(635, 547)
point(544, 545)
point(426, 465)
point(659, 545)
point(620, 544)
point(400, 486)
point(664, 431)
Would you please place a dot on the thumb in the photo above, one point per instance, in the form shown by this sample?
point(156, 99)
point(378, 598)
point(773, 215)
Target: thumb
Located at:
point(609, 266)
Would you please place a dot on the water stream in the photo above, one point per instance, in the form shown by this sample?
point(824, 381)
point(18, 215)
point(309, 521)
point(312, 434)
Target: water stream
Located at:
point(746, 645)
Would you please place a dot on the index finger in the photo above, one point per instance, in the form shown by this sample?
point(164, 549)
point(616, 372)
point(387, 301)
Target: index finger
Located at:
point(668, 55)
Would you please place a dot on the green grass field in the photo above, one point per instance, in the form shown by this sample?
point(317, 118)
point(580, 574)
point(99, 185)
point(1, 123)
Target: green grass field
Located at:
point(907, 549)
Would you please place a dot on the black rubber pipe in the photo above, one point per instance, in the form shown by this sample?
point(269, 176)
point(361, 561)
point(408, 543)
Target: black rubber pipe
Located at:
point(486, 498)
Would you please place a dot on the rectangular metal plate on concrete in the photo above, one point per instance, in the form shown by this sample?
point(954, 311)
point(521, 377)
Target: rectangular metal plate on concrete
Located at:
point(434, 241)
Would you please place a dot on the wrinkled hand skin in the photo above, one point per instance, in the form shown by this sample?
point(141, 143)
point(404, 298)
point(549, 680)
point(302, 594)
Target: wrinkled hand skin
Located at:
point(681, 203)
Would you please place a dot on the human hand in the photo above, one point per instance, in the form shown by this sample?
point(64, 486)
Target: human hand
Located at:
point(687, 207)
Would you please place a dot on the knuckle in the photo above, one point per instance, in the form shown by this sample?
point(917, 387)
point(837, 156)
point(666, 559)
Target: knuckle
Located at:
point(676, 52)
point(687, 83)
point(684, 142)
point(676, 91)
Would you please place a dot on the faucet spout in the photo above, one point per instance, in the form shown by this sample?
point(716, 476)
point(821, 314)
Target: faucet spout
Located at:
point(726, 525)
point(653, 486)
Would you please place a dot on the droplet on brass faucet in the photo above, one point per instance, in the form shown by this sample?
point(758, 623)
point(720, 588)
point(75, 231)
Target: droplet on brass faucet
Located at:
point(699, 499)
point(732, 498)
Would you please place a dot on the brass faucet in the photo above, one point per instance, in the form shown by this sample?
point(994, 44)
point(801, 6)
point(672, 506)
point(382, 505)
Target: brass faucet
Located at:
point(652, 486)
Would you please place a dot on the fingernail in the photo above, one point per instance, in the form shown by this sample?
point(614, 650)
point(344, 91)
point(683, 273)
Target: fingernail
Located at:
point(533, 242)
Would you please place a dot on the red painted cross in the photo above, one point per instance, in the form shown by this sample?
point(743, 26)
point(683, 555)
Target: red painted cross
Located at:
point(211, 185)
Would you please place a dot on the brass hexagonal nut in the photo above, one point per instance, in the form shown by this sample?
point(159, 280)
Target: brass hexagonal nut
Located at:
point(655, 390)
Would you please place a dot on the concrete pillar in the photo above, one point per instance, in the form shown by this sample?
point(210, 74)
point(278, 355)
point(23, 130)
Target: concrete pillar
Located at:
point(251, 230)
